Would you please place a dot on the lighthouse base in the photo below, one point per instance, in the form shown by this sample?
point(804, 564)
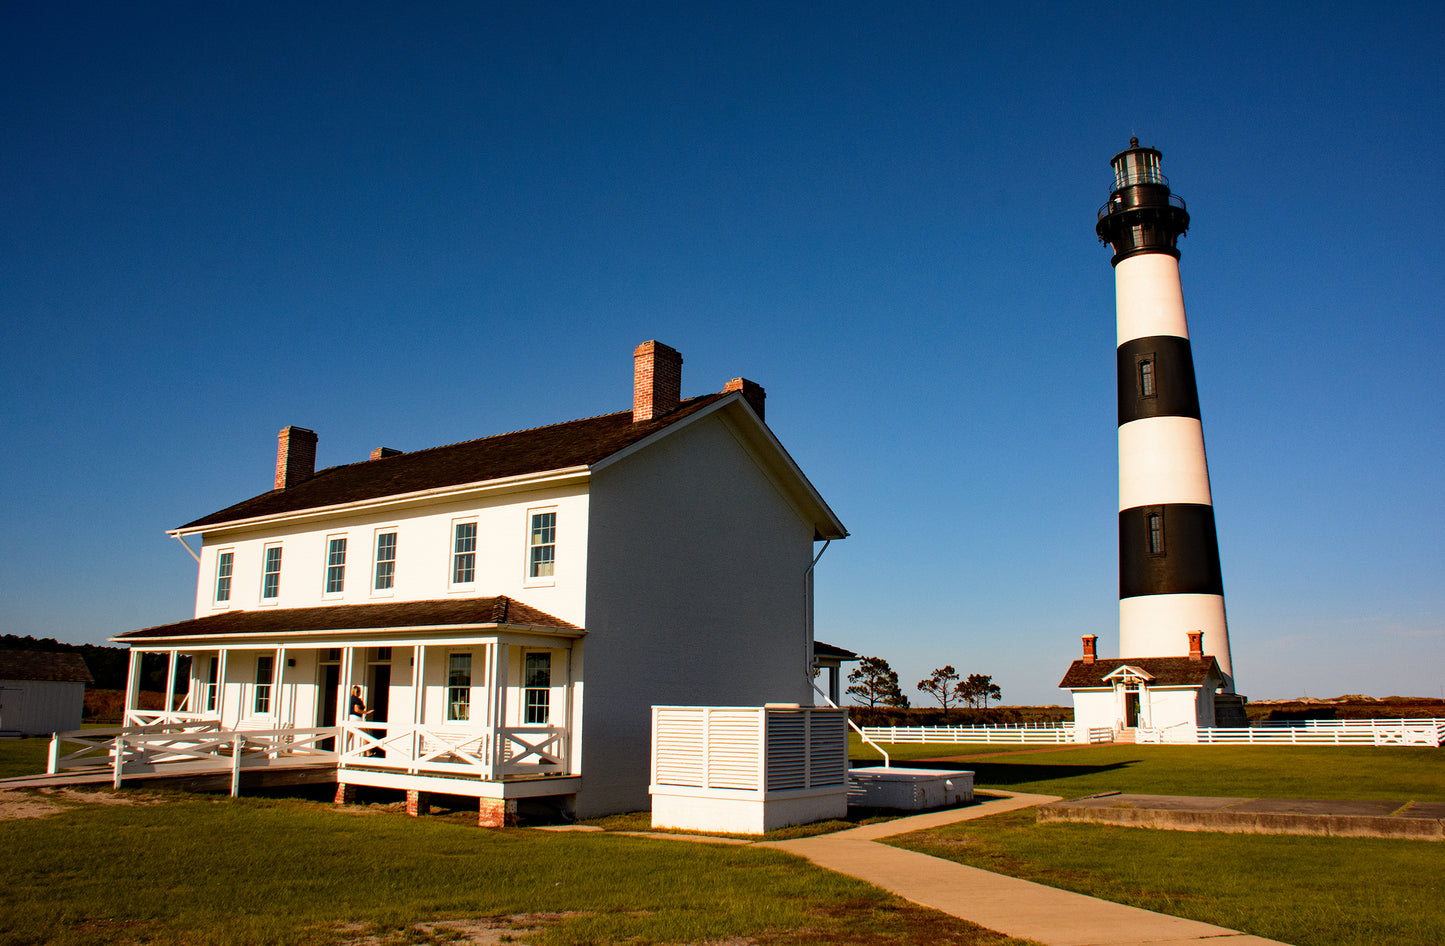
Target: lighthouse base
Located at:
point(1229, 711)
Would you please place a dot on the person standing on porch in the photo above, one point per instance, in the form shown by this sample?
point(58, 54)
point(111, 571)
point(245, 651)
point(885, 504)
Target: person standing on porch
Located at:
point(356, 712)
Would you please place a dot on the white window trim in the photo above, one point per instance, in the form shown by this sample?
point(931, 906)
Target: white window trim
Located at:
point(452, 584)
point(544, 581)
point(326, 566)
point(265, 553)
point(216, 602)
point(396, 550)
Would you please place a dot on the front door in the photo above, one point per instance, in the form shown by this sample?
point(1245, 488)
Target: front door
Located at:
point(1131, 709)
point(330, 695)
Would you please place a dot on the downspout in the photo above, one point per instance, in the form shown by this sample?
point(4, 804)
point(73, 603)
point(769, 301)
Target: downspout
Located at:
point(808, 612)
point(808, 615)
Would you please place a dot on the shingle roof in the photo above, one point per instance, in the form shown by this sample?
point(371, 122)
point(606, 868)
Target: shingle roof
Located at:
point(1166, 671)
point(43, 665)
point(555, 447)
point(346, 617)
point(821, 649)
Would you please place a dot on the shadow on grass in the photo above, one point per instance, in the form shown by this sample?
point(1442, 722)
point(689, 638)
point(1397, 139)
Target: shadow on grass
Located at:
point(1005, 774)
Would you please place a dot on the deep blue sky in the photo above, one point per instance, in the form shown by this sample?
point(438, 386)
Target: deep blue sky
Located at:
point(409, 225)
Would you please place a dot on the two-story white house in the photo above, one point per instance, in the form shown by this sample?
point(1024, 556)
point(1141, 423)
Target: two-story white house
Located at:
point(511, 607)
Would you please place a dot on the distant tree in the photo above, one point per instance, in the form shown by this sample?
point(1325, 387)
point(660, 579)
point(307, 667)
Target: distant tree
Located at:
point(976, 690)
point(941, 685)
point(876, 684)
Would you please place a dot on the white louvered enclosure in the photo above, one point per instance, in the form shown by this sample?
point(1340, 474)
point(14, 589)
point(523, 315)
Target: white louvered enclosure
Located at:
point(747, 769)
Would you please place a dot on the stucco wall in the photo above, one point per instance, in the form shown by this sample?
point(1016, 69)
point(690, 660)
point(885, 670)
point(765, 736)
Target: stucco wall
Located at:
point(696, 595)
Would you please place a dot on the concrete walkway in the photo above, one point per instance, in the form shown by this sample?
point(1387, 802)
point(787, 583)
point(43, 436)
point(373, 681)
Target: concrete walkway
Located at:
point(1006, 905)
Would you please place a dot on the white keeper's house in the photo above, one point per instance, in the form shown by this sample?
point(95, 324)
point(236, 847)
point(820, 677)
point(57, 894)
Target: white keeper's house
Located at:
point(511, 607)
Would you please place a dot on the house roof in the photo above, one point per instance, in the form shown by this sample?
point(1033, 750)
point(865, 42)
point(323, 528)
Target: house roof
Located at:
point(537, 450)
point(821, 649)
point(1166, 671)
point(461, 612)
point(57, 667)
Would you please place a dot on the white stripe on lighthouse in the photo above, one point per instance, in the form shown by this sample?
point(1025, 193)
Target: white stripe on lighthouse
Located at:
point(1148, 296)
point(1161, 460)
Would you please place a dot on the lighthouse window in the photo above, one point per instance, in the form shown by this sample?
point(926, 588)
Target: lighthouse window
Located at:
point(1146, 377)
point(1156, 533)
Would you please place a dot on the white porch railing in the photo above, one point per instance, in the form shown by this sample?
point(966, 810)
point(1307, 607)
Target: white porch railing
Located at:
point(489, 754)
point(137, 717)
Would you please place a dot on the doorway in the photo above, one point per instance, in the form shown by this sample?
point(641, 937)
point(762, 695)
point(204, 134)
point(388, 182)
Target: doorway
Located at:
point(330, 696)
point(1131, 708)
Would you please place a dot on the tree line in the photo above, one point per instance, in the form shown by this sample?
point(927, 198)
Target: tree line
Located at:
point(875, 684)
point(108, 666)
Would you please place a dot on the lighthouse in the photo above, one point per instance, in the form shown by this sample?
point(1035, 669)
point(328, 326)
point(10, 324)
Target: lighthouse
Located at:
point(1170, 586)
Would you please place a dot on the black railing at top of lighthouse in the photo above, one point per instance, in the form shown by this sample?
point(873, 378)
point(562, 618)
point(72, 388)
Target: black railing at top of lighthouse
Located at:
point(1115, 204)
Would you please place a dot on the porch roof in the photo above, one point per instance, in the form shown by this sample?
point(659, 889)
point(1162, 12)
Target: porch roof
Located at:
point(499, 611)
point(1166, 671)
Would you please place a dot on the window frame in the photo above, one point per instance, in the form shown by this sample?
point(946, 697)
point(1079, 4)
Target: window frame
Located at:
point(530, 562)
point(377, 561)
point(454, 572)
point(261, 697)
point(333, 574)
point(271, 580)
point(221, 595)
point(458, 694)
point(1155, 537)
point(1146, 375)
point(536, 699)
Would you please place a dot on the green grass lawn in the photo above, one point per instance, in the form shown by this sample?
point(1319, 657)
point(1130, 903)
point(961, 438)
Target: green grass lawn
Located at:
point(1397, 772)
point(23, 756)
point(1303, 890)
point(205, 869)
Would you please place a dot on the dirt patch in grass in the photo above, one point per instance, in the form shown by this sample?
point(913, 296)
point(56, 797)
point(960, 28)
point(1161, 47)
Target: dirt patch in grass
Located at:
point(477, 931)
point(37, 803)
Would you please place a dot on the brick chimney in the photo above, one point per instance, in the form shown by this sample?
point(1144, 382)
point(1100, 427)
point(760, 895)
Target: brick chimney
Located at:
point(753, 393)
point(295, 456)
point(381, 453)
point(1090, 640)
point(1196, 645)
point(656, 381)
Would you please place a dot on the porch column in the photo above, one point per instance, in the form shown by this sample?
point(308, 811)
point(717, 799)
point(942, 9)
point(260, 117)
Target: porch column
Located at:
point(343, 697)
point(418, 697)
point(221, 688)
point(497, 708)
point(280, 687)
point(170, 703)
point(132, 684)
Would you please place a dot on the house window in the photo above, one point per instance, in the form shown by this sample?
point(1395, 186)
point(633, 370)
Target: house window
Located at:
point(1156, 533)
point(1147, 387)
point(385, 561)
point(542, 544)
point(212, 683)
point(464, 553)
point(271, 574)
point(335, 565)
point(537, 681)
point(264, 668)
point(459, 687)
point(225, 562)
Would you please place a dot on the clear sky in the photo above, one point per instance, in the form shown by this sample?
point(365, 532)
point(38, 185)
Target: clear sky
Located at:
point(413, 224)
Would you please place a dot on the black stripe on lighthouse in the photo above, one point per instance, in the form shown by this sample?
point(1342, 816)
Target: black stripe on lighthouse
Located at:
point(1168, 549)
point(1156, 379)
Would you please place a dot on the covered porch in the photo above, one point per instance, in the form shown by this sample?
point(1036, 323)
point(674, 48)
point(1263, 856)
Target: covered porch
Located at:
point(458, 706)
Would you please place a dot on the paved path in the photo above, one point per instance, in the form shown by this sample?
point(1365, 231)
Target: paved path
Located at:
point(1006, 905)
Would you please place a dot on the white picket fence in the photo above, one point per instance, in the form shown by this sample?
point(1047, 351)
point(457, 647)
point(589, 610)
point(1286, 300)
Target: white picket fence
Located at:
point(1315, 732)
point(1040, 733)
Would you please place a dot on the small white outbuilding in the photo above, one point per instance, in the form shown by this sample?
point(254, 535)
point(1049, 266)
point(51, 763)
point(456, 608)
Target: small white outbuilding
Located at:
point(41, 692)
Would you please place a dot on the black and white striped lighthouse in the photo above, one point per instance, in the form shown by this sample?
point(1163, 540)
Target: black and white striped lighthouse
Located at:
point(1169, 577)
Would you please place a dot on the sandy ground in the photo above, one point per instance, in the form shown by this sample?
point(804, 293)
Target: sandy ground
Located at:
point(37, 803)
